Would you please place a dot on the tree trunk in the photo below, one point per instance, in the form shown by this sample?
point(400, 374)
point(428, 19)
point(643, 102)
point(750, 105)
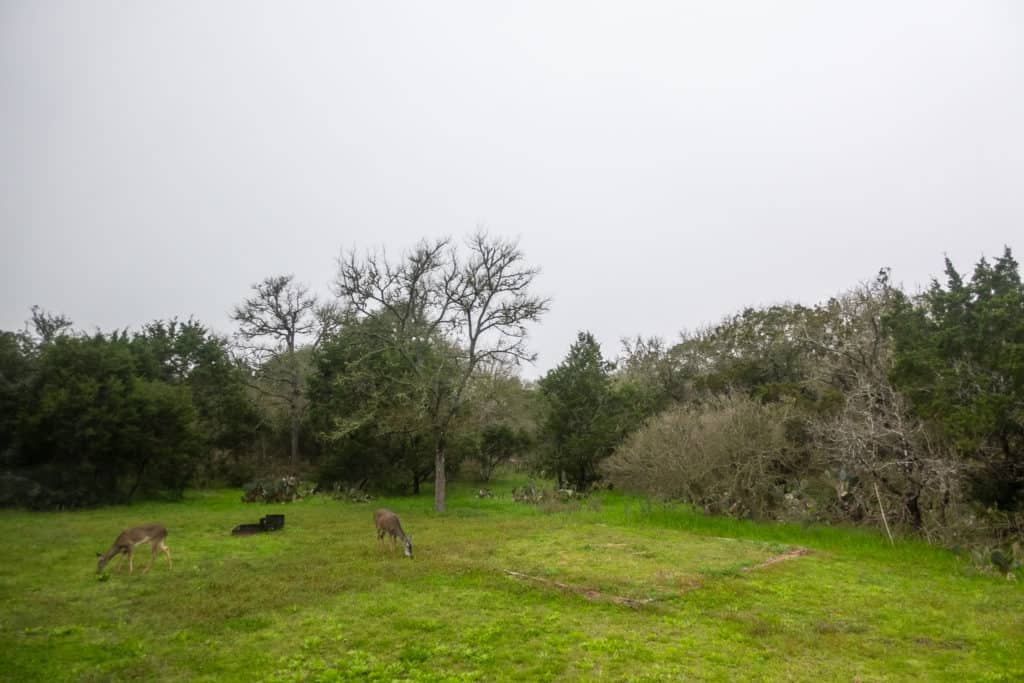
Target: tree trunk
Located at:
point(439, 478)
point(914, 508)
point(138, 480)
point(295, 403)
point(295, 437)
point(415, 483)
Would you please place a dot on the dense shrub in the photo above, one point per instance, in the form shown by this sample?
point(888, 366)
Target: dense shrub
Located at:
point(547, 500)
point(731, 455)
point(91, 430)
point(349, 494)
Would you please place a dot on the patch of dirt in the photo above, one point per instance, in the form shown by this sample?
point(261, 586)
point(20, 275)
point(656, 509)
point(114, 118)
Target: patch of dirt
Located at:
point(588, 593)
point(926, 642)
point(796, 552)
point(597, 596)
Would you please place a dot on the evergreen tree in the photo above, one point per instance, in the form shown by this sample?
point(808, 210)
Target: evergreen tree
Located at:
point(582, 422)
point(960, 360)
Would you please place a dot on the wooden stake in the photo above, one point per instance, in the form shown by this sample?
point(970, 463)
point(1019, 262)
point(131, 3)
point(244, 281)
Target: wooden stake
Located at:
point(882, 509)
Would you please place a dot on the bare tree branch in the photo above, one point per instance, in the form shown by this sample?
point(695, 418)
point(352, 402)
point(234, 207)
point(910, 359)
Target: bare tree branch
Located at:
point(473, 306)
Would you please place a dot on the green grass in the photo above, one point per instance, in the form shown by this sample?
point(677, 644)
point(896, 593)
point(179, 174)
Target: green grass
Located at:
point(319, 601)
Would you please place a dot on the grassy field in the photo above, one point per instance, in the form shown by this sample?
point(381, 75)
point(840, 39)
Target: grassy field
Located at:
point(618, 589)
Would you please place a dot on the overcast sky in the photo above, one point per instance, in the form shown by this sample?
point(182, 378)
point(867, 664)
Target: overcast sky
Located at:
point(664, 164)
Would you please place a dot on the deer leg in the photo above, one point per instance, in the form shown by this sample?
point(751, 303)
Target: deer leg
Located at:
point(131, 566)
point(152, 557)
point(167, 552)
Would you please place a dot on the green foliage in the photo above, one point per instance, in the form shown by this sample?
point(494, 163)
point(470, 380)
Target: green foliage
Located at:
point(93, 429)
point(15, 372)
point(762, 352)
point(349, 494)
point(549, 499)
point(188, 354)
point(280, 490)
point(498, 422)
point(497, 444)
point(105, 418)
point(584, 418)
point(370, 409)
point(960, 360)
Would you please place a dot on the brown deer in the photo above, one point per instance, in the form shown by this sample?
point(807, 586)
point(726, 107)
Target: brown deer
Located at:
point(387, 523)
point(154, 534)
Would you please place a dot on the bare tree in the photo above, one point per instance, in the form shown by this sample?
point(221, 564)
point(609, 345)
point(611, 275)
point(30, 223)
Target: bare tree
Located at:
point(872, 439)
point(473, 304)
point(48, 326)
point(272, 324)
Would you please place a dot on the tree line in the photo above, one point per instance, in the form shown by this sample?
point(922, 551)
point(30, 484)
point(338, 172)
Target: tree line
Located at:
point(877, 406)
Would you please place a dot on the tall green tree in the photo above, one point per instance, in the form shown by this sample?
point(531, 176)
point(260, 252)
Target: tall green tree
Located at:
point(368, 407)
point(188, 354)
point(960, 360)
point(16, 367)
point(93, 429)
point(583, 416)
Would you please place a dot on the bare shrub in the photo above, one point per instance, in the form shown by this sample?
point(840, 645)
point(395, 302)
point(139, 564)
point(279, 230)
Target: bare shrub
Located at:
point(873, 442)
point(730, 455)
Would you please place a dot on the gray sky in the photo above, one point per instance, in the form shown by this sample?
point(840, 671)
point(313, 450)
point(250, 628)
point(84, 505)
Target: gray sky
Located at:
point(664, 164)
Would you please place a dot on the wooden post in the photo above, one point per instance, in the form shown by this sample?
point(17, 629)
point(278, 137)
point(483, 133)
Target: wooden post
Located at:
point(882, 509)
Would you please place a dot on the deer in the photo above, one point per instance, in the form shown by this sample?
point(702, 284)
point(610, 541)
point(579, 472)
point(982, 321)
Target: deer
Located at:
point(387, 523)
point(154, 534)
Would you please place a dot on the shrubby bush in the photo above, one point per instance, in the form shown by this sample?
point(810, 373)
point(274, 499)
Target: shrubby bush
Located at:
point(549, 500)
point(18, 491)
point(349, 493)
point(730, 455)
point(107, 418)
point(280, 490)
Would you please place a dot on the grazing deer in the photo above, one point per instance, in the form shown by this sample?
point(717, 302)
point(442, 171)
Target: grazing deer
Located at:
point(154, 534)
point(387, 523)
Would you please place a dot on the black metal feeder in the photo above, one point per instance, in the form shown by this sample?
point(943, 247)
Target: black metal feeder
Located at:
point(272, 522)
point(268, 523)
